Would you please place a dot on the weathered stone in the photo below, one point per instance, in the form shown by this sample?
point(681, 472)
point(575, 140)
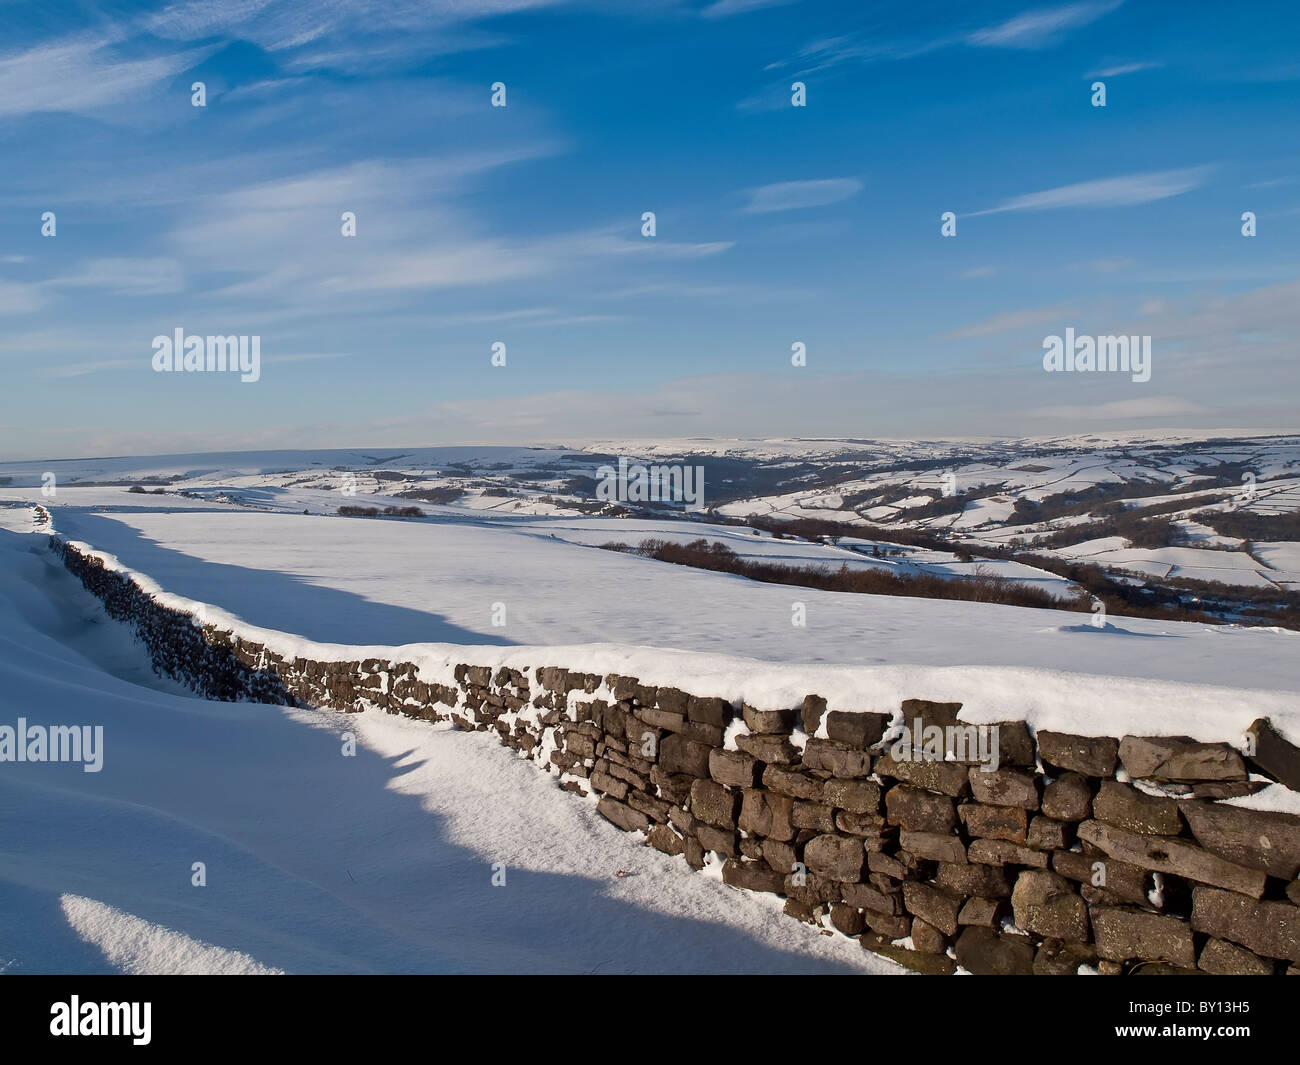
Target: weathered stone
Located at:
point(1274, 754)
point(835, 857)
point(774, 750)
point(677, 754)
point(1123, 934)
point(995, 822)
point(675, 787)
point(763, 813)
point(916, 960)
point(682, 820)
point(792, 782)
point(1166, 855)
point(1260, 839)
point(734, 768)
point(713, 804)
point(611, 786)
point(934, 846)
point(1227, 959)
point(660, 719)
point(918, 810)
point(1068, 798)
point(1046, 904)
point(1015, 745)
point(1046, 834)
point(890, 925)
point(814, 706)
point(623, 816)
point(947, 778)
point(655, 809)
point(984, 952)
point(751, 847)
point(802, 911)
point(706, 711)
point(856, 730)
point(812, 888)
point(1123, 881)
point(887, 865)
point(871, 827)
point(986, 880)
point(663, 838)
point(626, 774)
point(774, 722)
point(857, 796)
point(1125, 806)
point(780, 856)
point(847, 919)
point(866, 897)
point(1226, 789)
point(753, 876)
point(812, 816)
point(836, 759)
point(932, 904)
point(927, 938)
point(1179, 758)
point(1271, 929)
point(717, 840)
point(1056, 957)
point(978, 911)
point(1004, 787)
point(1093, 756)
point(930, 713)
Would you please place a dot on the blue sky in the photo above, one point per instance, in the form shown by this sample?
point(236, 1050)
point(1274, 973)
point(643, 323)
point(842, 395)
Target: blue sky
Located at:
point(522, 224)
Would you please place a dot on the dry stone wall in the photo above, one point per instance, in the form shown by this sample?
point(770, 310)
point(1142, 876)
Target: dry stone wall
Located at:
point(1112, 853)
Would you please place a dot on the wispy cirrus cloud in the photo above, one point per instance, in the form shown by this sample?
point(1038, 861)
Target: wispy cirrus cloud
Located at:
point(82, 75)
point(792, 195)
point(1124, 409)
point(1119, 69)
point(1123, 191)
point(1008, 322)
point(727, 8)
point(1041, 28)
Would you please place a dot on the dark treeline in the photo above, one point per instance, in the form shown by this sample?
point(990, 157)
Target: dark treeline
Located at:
point(980, 588)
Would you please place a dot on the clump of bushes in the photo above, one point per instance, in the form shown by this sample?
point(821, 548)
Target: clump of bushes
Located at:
point(350, 511)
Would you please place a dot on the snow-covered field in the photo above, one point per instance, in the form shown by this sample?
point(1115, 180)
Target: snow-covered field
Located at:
point(448, 578)
point(316, 862)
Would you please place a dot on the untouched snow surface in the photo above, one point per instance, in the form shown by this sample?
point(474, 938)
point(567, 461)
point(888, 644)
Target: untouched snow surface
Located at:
point(316, 862)
point(351, 581)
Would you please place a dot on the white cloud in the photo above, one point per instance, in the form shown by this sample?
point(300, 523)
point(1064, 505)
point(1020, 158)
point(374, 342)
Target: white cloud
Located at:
point(16, 298)
point(1122, 68)
point(1107, 192)
point(81, 76)
point(791, 195)
point(1008, 321)
point(1037, 29)
point(133, 277)
point(1142, 407)
point(725, 8)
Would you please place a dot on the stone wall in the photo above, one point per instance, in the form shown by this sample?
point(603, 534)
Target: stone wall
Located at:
point(1112, 853)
